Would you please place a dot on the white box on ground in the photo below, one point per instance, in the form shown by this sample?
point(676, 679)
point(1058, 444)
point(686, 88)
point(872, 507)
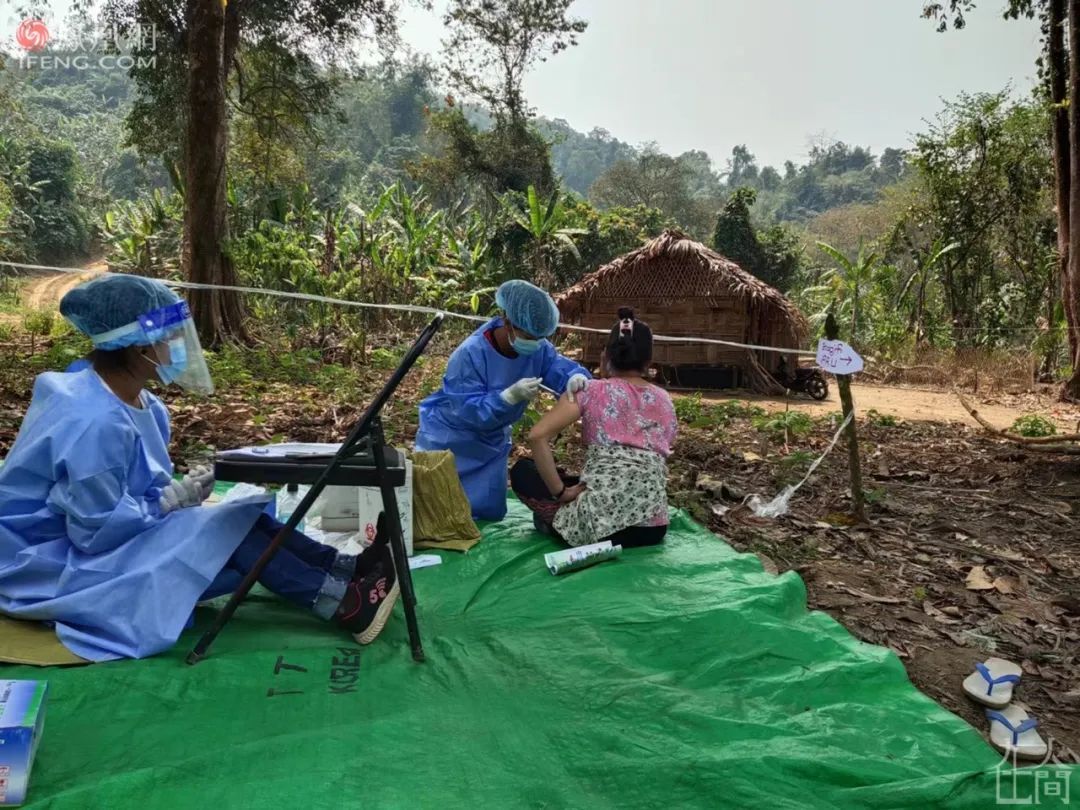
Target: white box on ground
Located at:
point(339, 509)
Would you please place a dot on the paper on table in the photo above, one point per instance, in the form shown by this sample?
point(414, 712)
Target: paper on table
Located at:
point(573, 559)
point(285, 450)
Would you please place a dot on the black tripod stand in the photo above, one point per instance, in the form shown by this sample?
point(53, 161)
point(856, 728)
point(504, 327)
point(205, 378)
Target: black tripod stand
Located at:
point(363, 460)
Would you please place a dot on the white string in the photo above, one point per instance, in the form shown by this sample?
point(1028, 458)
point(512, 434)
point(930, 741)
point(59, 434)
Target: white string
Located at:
point(778, 506)
point(322, 299)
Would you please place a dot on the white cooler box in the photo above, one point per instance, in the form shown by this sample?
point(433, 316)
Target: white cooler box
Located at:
point(352, 509)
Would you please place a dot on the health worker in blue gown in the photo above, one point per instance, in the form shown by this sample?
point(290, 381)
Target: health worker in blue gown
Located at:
point(490, 380)
point(97, 537)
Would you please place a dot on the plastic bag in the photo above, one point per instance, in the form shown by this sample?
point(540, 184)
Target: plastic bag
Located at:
point(778, 506)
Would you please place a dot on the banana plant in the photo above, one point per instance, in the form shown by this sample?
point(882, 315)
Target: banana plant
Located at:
point(544, 222)
point(921, 275)
point(847, 287)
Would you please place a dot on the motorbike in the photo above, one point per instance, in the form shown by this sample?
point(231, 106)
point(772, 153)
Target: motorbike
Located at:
point(809, 381)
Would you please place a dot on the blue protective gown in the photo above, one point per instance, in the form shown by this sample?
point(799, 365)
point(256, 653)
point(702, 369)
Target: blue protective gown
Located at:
point(468, 417)
point(82, 541)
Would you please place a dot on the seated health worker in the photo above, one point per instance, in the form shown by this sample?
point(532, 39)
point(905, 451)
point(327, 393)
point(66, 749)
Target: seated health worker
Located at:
point(99, 540)
point(628, 425)
point(490, 380)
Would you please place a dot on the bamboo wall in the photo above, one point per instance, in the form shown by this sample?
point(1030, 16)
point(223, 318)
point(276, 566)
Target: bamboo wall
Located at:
point(716, 318)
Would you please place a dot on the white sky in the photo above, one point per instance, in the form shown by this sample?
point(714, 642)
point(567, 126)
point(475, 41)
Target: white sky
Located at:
point(710, 74)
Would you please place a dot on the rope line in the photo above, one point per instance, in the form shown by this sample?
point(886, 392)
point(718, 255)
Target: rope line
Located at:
point(322, 299)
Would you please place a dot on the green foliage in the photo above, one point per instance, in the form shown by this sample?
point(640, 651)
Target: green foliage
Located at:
point(9, 293)
point(40, 213)
point(793, 466)
point(494, 43)
point(784, 426)
point(522, 427)
point(385, 358)
point(144, 236)
point(465, 160)
point(252, 369)
point(688, 408)
point(655, 180)
point(986, 169)
point(693, 412)
point(883, 420)
point(38, 323)
point(875, 496)
point(609, 234)
point(772, 255)
point(545, 223)
point(1034, 426)
point(850, 289)
point(578, 159)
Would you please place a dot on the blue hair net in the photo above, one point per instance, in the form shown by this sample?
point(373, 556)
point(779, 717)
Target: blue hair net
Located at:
point(529, 307)
point(109, 302)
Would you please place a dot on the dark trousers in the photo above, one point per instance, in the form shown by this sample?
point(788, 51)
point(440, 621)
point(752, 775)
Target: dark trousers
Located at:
point(296, 573)
point(531, 490)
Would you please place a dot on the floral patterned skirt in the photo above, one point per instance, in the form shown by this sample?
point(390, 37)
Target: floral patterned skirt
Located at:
point(625, 486)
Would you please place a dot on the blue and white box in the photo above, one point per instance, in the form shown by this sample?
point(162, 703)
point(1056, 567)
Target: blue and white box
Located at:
point(22, 715)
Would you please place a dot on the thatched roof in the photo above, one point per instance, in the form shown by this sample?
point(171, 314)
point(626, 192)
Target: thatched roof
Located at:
point(705, 274)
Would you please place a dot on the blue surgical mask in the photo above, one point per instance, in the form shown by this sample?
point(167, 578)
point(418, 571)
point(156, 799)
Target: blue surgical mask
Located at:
point(169, 372)
point(525, 346)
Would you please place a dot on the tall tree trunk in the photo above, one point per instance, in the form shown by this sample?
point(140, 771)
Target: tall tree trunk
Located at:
point(218, 315)
point(1067, 166)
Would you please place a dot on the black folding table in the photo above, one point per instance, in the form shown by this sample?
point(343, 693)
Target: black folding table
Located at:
point(363, 460)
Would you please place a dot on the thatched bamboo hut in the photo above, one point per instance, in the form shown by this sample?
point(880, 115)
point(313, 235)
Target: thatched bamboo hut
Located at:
point(680, 287)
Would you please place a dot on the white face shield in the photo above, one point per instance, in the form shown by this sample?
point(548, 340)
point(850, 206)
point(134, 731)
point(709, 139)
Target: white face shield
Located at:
point(172, 332)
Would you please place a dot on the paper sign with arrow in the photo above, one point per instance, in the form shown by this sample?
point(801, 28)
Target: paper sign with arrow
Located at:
point(837, 357)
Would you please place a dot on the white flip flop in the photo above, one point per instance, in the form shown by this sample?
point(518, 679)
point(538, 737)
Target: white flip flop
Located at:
point(991, 684)
point(1012, 732)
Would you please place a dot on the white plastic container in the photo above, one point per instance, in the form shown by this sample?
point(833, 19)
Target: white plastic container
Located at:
point(338, 509)
point(288, 498)
point(369, 504)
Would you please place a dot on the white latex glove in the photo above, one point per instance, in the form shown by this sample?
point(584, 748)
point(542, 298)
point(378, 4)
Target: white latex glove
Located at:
point(169, 501)
point(574, 384)
point(204, 477)
point(524, 390)
point(180, 494)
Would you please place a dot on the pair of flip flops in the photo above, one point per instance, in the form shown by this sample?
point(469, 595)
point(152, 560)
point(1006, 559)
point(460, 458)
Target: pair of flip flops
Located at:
point(1012, 730)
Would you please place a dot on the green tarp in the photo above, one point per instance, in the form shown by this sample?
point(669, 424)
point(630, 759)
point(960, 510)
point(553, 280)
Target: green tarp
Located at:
point(675, 677)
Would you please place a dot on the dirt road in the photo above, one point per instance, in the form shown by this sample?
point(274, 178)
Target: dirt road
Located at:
point(44, 292)
point(922, 405)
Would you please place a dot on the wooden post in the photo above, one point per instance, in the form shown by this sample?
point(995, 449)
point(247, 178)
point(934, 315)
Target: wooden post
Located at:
point(843, 382)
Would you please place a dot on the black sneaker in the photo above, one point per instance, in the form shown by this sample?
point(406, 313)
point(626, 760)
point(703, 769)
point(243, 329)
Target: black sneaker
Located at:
point(377, 552)
point(368, 603)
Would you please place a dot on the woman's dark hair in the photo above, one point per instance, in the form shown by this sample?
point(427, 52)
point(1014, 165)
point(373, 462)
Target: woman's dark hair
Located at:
point(629, 346)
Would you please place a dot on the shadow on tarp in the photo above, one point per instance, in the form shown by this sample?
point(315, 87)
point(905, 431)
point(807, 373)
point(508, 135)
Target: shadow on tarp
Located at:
point(680, 676)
